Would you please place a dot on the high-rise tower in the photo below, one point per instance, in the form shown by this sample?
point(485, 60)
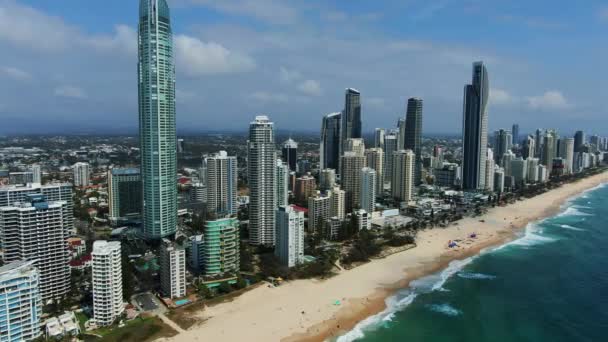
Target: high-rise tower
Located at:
point(413, 134)
point(475, 129)
point(351, 116)
point(330, 141)
point(156, 80)
point(261, 164)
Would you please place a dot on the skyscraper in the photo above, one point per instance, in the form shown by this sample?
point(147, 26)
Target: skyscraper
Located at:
point(329, 154)
point(124, 193)
point(351, 116)
point(319, 209)
point(367, 196)
point(566, 151)
point(401, 133)
point(157, 135)
point(290, 236)
point(222, 183)
point(34, 230)
point(390, 146)
point(515, 134)
point(490, 163)
point(549, 151)
point(107, 282)
point(529, 148)
point(475, 129)
point(413, 134)
point(402, 184)
point(579, 141)
point(20, 304)
point(36, 170)
point(538, 140)
point(352, 163)
point(282, 183)
point(379, 138)
point(289, 153)
point(327, 179)
point(502, 143)
point(262, 161)
point(374, 158)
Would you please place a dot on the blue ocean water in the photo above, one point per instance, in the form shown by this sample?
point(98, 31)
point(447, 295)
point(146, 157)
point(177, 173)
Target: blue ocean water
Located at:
point(549, 285)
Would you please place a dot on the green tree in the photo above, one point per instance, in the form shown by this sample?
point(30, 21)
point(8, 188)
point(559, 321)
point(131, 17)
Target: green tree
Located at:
point(225, 288)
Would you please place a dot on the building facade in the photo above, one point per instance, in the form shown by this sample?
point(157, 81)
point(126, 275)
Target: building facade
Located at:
point(475, 129)
point(413, 134)
point(290, 236)
point(402, 184)
point(221, 247)
point(351, 116)
point(221, 176)
point(289, 153)
point(367, 197)
point(329, 153)
point(107, 282)
point(352, 163)
point(34, 230)
point(124, 193)
point(82, 174)
point(157, 132)
point(374, 158)
point(261, 172)
point(172, 270)
point(20, 302)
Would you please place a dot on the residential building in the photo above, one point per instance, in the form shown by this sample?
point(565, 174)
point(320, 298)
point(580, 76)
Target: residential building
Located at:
point(157, 132)
point(36, 170)
point(355, 145)
point(261, 171)
point(490, 170)
point(338, 203)
point(402, 184)
point(352, 163)
point(379, 138)
point(363, 219)
point(367, 196)
point(305, 187)
point(329, 154)
point(502, 144)
point(499, 179)
point(515, 134)
point(124, 193)
point(221, 176)
point(290, 236)
point(20, 303)
point(107, 282)
point(549, 151)
point(52, 191)
point(579, 141)
point(221, 247)
point(390, 146)
point(20, 177)
point(519, 171)
point(566, 152)
point(538, 144)
point(33, 230)
point(447, 175)
point(374, 158)
point(475, 129)
point(198, 192)
point(172, 269)
point(532, 170)
point(282, 183)
point(327, 179)
point(319, 211)
point(82, 174)
point(529, 148)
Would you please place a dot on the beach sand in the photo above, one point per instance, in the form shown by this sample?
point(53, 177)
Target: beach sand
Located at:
point(307, 310)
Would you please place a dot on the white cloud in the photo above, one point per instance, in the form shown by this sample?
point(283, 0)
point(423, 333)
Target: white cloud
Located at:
point(310, 87)
point(124, 39)
point(195, 58)
point(288, 76)
point(15, 73)
point(273, 11)
point(70, 92)
point(551, 99)
point(501, 97)
point(268, 97)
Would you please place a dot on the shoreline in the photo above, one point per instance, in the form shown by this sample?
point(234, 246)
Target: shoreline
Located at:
point(305, 310)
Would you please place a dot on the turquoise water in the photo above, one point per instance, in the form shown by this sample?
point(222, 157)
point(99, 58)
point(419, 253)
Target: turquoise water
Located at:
point(549, 285)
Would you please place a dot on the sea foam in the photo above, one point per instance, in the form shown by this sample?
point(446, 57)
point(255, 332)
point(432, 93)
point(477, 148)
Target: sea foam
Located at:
point(478, 276)
point(445, 309)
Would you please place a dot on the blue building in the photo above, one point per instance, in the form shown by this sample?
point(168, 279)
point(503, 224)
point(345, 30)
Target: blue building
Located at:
point(20, 302)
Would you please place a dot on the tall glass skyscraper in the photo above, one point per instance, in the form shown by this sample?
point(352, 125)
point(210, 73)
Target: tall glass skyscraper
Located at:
point(156, 80)
point(413, 134)
point(351, 116)
point(475, 129)
point(330, 141)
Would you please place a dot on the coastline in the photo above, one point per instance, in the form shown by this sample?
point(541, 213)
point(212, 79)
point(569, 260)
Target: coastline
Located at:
point(306, 310)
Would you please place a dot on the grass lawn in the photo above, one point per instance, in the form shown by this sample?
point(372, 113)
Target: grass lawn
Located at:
point(138, 330)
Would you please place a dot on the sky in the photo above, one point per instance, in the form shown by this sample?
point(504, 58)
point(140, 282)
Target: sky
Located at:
point(69, 66)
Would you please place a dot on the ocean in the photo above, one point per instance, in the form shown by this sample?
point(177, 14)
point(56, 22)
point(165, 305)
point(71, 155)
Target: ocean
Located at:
point(551, 284)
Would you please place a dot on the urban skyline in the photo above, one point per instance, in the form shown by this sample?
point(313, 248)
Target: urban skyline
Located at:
point(523, 85)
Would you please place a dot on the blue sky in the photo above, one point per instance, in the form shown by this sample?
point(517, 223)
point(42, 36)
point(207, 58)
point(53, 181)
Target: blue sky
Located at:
point(71, 64)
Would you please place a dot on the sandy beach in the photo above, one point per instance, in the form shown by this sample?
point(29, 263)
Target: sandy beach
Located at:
point(307, 310)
